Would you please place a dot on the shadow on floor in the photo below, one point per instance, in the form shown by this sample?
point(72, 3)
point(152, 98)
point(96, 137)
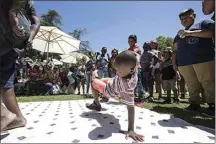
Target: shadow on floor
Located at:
point(108, 125)
point(190, 117)
point(4, 135)
point(114, 103)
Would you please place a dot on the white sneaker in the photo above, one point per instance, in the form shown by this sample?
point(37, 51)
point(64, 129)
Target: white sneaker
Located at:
point(161, 100)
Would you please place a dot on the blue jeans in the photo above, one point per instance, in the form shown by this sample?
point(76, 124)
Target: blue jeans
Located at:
point(88, 80)
point(103, 73)
point(139, 86)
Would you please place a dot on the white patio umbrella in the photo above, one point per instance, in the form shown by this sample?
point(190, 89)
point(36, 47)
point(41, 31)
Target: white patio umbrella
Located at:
point(72, 57)
point(55, 62)
point(52, 40)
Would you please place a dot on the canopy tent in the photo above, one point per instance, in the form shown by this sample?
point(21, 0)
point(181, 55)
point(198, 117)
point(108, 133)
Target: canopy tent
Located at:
point(52, 40)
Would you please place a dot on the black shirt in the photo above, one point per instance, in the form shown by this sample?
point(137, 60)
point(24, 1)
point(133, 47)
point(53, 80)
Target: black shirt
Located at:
point(168, 72)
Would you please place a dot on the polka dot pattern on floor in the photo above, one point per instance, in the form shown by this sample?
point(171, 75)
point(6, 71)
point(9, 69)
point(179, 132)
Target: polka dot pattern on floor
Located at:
point(72, 122)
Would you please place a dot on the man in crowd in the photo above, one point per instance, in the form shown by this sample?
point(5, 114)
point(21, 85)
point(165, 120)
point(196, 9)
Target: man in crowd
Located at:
point(195, 59)
point(145, 61)
point(9, 51)
point(102, 63)
point(208, 7)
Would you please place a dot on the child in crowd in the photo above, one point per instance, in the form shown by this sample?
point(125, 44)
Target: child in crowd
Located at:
point(123, 85)
point(169, 77)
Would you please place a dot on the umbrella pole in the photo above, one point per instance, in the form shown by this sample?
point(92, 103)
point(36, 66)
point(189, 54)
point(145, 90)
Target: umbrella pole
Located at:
point(48, 44)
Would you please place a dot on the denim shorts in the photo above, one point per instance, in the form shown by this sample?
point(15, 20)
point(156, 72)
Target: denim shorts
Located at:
point(7, 68)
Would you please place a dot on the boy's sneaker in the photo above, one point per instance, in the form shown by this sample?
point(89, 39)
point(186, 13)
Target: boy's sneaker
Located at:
point(161, 100)
point(210, 111)
point(94, 106)
point(140, 104)
point(193, 107)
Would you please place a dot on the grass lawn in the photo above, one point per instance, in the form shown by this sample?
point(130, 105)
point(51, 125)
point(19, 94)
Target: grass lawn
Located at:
point(173, 109)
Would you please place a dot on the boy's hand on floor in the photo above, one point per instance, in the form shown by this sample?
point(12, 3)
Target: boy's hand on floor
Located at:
point(136, 137)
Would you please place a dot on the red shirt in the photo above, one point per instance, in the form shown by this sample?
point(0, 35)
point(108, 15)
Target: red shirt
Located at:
point(136, 49)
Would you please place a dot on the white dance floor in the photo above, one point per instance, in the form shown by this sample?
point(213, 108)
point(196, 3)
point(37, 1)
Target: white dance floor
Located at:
point(72, 122)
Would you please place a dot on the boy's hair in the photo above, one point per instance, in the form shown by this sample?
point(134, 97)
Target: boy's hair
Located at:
point(127, 58)
point(133, 37)
point(186, 12)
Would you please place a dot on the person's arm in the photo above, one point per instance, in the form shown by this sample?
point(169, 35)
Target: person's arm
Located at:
point(207, 30)
point(174, 56)
point(35, 22)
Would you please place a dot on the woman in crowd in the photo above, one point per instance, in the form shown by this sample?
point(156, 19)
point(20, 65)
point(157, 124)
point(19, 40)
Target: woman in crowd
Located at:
point(111, 59)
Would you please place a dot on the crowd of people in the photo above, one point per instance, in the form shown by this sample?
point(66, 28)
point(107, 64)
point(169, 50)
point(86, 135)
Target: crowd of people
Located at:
point(134, 75)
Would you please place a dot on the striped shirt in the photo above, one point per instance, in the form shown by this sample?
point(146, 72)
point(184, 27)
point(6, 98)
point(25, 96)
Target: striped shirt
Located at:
point(122, 87)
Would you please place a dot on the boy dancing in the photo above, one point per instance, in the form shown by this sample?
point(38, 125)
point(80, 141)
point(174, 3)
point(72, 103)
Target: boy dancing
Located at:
point(123, 85)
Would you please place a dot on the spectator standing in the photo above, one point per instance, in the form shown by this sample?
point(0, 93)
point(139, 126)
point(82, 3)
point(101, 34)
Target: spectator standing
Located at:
point(157, 78)
point(88, 71)
point(195, 58)
point(145, 61)
point(102, 63)
point(10, 49)
point(132, 41)
point(111, 68)
point(169, 77)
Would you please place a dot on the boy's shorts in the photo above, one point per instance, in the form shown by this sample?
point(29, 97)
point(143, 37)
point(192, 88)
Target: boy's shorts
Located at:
point(7, 68)
point(169, 84)
point(100, 84)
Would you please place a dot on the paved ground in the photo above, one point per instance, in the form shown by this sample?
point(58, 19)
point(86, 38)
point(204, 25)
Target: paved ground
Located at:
point(71, 122)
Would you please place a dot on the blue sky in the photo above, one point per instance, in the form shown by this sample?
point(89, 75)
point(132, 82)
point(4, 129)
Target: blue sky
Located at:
point(109, 23)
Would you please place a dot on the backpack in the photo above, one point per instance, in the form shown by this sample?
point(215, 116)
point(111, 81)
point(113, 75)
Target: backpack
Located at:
point(6, 33)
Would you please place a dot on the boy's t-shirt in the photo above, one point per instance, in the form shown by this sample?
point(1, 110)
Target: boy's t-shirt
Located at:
point(122, 87)
point(168, 72)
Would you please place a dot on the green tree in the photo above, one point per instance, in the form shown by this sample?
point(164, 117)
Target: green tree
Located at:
point(51, 18)
point(84, 45)
point(164, 42)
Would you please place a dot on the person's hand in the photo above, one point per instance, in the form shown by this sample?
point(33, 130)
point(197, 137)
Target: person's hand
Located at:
point(184, 33)
point(175, 67)
point(136, 137)
point(29, 44)
point(178, 76)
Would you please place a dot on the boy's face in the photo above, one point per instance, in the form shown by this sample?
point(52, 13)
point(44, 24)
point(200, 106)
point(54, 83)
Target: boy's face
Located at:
point(123, 70)
point(93, 67)
point(167, 55)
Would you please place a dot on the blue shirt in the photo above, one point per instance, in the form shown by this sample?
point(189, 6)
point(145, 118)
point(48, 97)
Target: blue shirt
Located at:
point(89, 64)
point(102, 62)
point(193, 50)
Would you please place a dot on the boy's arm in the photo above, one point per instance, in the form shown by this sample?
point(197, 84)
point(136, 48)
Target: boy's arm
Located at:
point(131, 116)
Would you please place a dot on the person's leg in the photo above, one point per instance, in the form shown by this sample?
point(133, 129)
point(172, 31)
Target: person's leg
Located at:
point(193, 85)
point(88, 80)
point(173, 85)
point(78, 85)
point(97, 87)
point(8, 95)
point(158, 85)
point(140, 87)
point(150, 87)
point(6, 117)
point(181, 84)
point(206, 76)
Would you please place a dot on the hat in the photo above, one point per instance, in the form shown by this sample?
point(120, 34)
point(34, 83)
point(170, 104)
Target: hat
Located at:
point(168, 49)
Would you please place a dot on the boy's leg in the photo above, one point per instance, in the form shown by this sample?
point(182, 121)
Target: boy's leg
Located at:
point(166, 87)
point(173, 84)
point(96, 104)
